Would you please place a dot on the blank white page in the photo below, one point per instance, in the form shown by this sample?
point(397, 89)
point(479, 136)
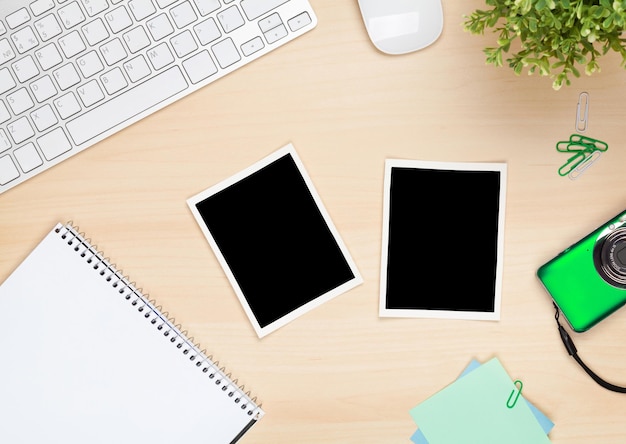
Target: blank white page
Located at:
point(87, 359)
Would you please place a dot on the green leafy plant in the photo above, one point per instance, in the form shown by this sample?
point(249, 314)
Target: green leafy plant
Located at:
point(552, 37)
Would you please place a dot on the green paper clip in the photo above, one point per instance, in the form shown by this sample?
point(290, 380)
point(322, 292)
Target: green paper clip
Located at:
point(510, 403)
point(572, 163)
point(588, 141)
point(578, 142)
point(567, 146)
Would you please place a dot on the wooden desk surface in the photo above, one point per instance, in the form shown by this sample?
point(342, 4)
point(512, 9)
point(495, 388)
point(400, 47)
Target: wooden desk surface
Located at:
point(340, 374)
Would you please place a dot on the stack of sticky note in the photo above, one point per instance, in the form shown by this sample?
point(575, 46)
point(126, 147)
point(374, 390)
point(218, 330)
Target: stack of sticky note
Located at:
point(483, 406)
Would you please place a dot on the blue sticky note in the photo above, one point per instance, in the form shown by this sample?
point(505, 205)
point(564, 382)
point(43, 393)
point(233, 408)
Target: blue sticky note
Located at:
point(546, 424)
point(419, 438)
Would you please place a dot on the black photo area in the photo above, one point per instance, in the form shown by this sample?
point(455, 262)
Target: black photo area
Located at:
point(275, 240)
point(443, 239)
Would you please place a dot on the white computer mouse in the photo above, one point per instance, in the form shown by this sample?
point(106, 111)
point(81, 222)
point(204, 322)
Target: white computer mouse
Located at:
point(402, 26)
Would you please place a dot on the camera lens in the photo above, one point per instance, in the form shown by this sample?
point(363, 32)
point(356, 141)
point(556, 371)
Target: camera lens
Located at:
point(610, 258)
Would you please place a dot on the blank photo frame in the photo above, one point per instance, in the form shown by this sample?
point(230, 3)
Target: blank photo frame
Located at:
point(275, 240)
point(443, 238)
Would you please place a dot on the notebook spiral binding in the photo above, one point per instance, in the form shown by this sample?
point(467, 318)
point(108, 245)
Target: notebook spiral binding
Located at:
point(162, 322)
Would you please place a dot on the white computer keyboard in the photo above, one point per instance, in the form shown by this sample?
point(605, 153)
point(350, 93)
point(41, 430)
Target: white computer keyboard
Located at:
point(73, 72)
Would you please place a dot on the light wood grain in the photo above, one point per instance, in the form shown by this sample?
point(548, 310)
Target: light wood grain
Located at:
point(340, 374)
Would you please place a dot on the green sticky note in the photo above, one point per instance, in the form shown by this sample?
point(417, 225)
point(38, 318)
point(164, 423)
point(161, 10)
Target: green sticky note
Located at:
point(473, 410)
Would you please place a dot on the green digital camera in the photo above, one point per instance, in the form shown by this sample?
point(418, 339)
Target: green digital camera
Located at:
point(587, 280)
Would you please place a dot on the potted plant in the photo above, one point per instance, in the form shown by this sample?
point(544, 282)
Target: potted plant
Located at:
point(554, 38)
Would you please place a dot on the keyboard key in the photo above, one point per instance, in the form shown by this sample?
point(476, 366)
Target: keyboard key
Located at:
point(230, 19)
point(226, 53)
point(71, 15)
point(89, 64)
point(6, 51)
point(136, 39)
point(113, 52)
point(113, 81)
point(256, 8)
point(66, 76)
point(48, 27)
point(44, 118)
point(183, 14)
point(6, 80)
point(54, 144)
point(43, 89)
point(165, 3)
point(137, 68)
point(20, 101)
point(38, 7)
point(48, 56)
point(160, 56)
point(207, 6)
point(95, 7)
point(24, 39)
point(276, 34)
point(299, 21)
point(95, 32)
point(8, 170)
point(90, 93)
point(199, 67)
point(71, 44)
point(160, 27)
point(5, 115)
point(118, 19)
point(207, 31)
point(18, 18)
point(67, 105)
point(183, 44)
point(141, 8)
point(20, 130)
point(270, 22)
point(126, 106)
point(27, 157)
point(252, 46)
point(5, 143)
point(25, 69)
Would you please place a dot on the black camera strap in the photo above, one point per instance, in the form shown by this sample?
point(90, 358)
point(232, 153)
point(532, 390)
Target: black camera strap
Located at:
point(573, 352)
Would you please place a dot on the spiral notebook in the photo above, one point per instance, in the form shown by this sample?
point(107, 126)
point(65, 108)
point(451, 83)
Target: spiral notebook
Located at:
point(88, 358)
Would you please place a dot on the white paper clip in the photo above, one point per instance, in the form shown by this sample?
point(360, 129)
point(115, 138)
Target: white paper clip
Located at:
point(586, 163)
point(582, 112)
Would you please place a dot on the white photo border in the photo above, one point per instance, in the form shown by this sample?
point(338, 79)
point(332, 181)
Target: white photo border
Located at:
point(288, 149)
point(499, 167)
